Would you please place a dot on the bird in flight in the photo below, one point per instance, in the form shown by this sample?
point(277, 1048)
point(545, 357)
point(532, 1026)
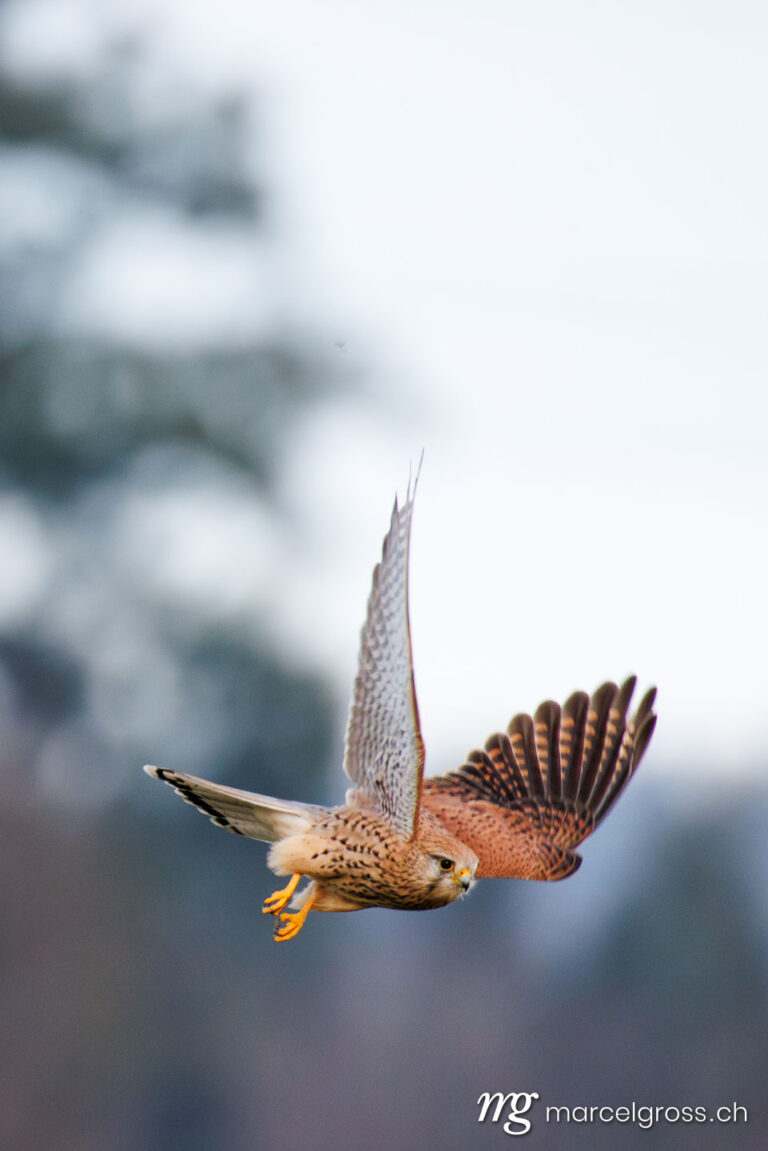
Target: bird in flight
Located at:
point(516, 809)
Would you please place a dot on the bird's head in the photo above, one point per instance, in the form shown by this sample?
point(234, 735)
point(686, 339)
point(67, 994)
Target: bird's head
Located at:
point(448, 866)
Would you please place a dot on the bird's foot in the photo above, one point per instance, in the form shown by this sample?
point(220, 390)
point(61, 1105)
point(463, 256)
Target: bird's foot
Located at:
point(275, 902)
point(294, 921)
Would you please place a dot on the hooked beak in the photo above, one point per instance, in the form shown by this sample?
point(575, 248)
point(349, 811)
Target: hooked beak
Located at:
point(463, 877)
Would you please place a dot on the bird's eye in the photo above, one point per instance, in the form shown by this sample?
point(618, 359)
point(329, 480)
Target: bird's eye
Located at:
point(445, 864)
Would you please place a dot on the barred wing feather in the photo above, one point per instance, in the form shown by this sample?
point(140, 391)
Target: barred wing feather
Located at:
point(539, 789)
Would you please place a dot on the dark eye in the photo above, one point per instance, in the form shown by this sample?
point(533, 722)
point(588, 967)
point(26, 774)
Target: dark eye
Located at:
point(445, 864)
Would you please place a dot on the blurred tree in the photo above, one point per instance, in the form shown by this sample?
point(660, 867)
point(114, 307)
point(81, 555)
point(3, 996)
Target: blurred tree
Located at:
point(87, 406)
point(104, 662)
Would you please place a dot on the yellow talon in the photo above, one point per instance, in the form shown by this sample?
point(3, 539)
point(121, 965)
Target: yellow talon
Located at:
point(294, 921)
point(278, 899)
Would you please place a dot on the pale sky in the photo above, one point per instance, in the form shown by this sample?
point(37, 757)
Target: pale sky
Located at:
point(539, 232)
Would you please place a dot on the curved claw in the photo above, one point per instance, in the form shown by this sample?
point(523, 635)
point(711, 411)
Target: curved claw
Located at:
point(294, 921)
point(275, 902)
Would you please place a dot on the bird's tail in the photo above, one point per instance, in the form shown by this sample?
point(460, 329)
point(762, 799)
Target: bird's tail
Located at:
point(241, 812)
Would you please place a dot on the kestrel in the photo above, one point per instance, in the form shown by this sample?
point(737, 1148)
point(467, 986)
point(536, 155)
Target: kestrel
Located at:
point(516, 809)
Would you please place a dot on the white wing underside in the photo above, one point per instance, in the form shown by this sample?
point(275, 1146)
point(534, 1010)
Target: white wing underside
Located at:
point(241, 812)
point(384, 753)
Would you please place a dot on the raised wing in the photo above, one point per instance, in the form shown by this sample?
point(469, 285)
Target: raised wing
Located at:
point(384, 752)
point(540, 788)
point(242, 812)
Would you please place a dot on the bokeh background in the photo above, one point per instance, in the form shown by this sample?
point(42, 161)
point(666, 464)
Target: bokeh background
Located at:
point(253, 259)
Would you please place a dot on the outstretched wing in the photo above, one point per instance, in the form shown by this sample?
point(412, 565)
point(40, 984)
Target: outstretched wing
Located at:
point(242, 812)
point(540, 788)
point(384, 752)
